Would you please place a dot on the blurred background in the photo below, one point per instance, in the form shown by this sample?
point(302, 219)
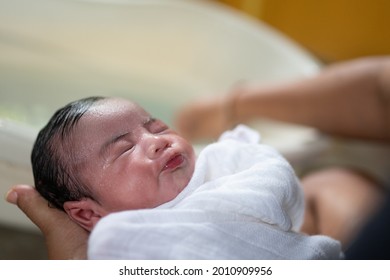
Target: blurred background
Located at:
point(161, 54)
point(332, 30)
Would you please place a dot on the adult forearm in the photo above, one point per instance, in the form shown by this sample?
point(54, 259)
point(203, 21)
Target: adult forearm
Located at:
point(348, 99)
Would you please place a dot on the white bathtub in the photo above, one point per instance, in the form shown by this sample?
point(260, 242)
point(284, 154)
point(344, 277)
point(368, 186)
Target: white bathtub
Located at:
point(159, 53)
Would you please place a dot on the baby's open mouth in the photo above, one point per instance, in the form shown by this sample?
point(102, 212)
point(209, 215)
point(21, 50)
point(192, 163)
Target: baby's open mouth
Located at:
point(174, 162)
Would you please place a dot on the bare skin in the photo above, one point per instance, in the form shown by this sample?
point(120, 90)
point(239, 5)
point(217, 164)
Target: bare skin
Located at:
point(339, 202)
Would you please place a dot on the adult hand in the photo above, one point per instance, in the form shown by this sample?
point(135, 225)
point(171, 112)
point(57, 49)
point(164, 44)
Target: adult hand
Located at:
point(204, 119)
point(64, 238)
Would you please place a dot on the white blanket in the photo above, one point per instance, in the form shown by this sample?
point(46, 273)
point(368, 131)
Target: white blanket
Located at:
point(243, 202)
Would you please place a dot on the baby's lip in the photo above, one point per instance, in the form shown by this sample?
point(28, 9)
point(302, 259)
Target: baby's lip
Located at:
point(174, 162)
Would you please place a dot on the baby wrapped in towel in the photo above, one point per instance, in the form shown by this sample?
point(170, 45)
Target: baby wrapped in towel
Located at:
point(243, 202)
point(133, 182)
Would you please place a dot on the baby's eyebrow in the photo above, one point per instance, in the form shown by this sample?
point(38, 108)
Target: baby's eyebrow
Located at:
point(149, 121)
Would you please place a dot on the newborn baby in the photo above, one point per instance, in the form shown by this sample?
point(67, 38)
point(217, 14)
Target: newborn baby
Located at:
point(133, 182)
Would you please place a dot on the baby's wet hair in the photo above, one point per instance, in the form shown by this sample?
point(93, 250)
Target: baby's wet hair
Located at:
point(51, 157)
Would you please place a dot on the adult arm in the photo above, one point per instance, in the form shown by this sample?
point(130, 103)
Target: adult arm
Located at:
point(347, 99)
point(64, 238)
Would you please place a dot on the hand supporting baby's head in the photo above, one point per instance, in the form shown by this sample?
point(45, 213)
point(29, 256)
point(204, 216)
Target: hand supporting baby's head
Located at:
point(102, 155)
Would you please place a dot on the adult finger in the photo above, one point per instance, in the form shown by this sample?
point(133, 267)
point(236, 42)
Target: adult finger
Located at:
point(34, 206)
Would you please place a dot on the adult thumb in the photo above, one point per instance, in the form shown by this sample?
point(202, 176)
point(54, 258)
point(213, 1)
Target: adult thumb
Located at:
point(33, 205)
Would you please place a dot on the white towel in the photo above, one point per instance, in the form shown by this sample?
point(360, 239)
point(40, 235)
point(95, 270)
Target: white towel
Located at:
point(243, 202)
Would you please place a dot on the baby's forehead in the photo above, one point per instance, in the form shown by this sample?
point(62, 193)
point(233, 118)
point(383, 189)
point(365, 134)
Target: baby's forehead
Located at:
point(106, 119)
point(111, 116)
point(113, 105)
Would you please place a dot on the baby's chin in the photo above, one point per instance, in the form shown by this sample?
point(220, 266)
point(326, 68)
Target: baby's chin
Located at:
point(175, 192)
point(182, 180)
point(179, 189)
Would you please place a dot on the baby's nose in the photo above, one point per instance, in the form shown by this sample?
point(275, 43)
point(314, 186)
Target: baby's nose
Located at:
point(156, 145)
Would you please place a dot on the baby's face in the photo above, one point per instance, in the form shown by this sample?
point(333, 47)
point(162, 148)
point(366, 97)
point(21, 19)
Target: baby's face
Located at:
point(128, 159)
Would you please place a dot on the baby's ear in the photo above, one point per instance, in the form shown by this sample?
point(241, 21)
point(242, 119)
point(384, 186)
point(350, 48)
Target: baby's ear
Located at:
point(84, 212)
